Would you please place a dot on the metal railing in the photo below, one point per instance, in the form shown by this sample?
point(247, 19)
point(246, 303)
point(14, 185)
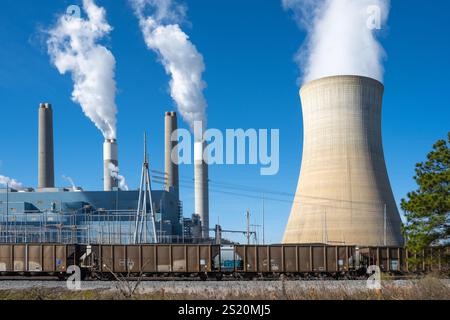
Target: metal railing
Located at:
point(83, 227)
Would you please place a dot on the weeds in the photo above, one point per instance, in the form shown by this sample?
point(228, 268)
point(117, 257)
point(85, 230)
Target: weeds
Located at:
point(428, 288)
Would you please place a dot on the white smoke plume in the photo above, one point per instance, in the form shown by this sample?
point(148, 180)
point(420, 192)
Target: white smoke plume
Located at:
point(73, 46)
point(159, 22)
point(70, 180)
point(341, 37)
point(11, 183)
point(114, 173)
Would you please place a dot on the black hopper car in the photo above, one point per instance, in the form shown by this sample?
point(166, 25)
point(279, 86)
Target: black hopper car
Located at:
point(188, 261)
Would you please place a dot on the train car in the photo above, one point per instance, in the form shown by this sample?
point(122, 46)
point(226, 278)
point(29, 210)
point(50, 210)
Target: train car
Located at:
point(38, 259)
point(187, 261)
point(388, 259)
point(295, 260)
point(152, 260)
point(395, 260)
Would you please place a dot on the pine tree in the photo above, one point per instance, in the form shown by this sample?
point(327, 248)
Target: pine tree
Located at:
point(427, 210)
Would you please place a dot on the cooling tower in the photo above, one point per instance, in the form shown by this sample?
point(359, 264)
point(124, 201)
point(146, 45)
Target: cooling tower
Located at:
point(171, 161)
point(343, 194)
point(110, 164)
point(201, 188)
point(46, 174)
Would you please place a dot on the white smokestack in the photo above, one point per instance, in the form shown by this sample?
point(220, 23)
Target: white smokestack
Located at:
point(201, 187)
point(162, 34)
point(110, 160)
point(341, 37)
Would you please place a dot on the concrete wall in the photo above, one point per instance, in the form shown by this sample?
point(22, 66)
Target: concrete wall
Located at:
point(343, 187)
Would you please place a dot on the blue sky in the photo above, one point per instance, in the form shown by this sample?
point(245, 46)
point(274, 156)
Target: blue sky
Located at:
point(248, 48)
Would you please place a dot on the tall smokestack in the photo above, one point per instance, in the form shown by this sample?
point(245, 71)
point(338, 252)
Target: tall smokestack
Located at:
point(110, 163)
point(171, 168)
point(343, 194)
point(46, 174)
point(201, 187)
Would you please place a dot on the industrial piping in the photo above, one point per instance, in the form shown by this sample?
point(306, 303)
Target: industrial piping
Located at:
point(110, 164)
point(171, 155)
point(46, 174)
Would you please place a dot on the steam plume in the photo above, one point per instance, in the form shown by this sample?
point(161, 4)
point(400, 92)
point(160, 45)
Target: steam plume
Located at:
point(159, 24)
point(114, 173)
point(73, 47)
point(341, 37)
point(70, 180)
point(12, 183)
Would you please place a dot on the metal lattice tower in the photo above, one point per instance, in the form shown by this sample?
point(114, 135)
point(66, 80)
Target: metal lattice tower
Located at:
point(143, 216)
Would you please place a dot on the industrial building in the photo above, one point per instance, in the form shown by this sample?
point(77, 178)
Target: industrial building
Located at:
point(343, 194)
point(72, 215)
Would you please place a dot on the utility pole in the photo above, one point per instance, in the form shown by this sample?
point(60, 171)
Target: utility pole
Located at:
point(263, 218)
point(160, 227)
point(385, 242)
point(248, 227)
point(255, 233)
point(7, 211)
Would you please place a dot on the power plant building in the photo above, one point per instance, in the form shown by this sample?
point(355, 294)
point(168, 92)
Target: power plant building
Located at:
point(66, 216)
point(343, 194)
point(72, 215)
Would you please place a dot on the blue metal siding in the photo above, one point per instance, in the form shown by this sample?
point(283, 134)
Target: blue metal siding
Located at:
point(95, 210)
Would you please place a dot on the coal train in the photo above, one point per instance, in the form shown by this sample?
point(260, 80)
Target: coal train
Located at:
point(196, 261)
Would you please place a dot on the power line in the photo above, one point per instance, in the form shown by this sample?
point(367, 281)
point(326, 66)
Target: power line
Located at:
point(259, 191)
point(295, 200)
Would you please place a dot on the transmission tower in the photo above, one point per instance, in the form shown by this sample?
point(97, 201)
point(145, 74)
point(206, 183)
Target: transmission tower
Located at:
point(145, 215)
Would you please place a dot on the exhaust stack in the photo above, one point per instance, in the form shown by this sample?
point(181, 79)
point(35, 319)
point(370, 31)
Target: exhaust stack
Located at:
point(110, 163)
point(46, 174)
point(171, 167)
point(201, 188)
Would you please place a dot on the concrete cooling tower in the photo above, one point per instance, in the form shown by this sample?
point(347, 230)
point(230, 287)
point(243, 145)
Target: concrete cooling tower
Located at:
point(343, 194)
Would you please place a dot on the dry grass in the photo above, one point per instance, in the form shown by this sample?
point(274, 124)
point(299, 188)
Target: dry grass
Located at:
point(423, 289)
